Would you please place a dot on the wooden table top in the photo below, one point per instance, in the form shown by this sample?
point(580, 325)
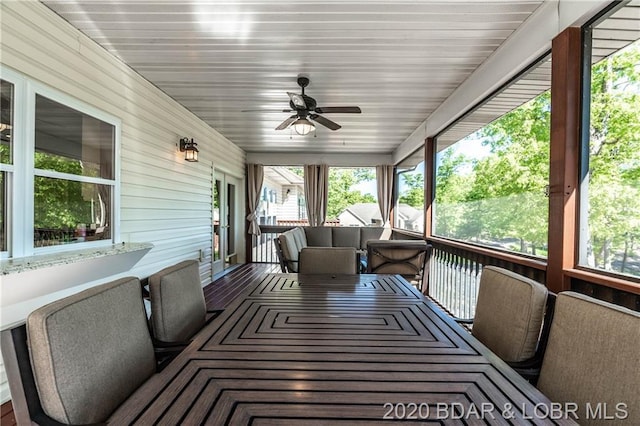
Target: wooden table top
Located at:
point(351, 350)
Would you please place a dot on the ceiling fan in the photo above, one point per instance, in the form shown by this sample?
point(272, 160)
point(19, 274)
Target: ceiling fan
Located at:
point(306, 109)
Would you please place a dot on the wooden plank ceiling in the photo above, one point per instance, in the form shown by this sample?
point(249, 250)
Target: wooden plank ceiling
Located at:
point(397, 60)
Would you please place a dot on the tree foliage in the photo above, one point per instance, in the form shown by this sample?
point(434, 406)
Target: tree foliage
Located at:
point(341, 189)
point(59, 203)
point(614, 161)
point(499, 198)
point(413, 189)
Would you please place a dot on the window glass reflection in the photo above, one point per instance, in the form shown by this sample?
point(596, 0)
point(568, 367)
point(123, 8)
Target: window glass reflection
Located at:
point(611, 190)
point(6, 121)
point(68, 211)
point(70, 141)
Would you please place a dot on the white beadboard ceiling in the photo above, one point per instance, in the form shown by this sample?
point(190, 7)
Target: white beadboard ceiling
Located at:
point(397, 60)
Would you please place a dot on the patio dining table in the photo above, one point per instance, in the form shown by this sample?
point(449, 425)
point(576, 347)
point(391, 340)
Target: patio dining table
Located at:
point(326, 349)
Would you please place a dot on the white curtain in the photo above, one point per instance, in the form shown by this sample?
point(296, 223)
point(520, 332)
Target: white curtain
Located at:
point(255, 175)
point(316, 191)
point(384, 179)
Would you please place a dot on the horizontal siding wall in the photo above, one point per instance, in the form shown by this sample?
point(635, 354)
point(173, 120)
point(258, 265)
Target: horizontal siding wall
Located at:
point(164, 200)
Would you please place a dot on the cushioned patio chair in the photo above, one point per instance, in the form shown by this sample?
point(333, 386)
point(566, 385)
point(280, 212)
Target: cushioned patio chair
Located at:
point(409, 258)
point(593, 360)
point(178, 308)
point(513, 317)
point(328, 260)
point(89, 352)
point(509, 313)
point(281, 259)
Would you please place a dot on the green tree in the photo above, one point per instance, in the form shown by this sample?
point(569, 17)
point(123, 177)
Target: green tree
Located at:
point(501, 195)
point(452, 187)
point(413, 192)
point(511, 182)
point(502, 192)
point(59, 203)
point(341, 189)
point(614, 159)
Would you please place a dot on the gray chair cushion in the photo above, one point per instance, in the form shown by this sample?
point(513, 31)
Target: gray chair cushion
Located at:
point(178, 308)
point(90, 351)
point(593, 357)
point(300, 237)
point(292, 242)
point(328, 260)
point(319, 236)
point(509, 313)
point(368, 233)
point(344, 236)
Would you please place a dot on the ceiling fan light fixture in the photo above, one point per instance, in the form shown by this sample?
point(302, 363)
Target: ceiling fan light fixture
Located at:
point(303, 127)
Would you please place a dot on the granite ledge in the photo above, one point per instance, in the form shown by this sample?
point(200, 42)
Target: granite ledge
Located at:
point(30, 263)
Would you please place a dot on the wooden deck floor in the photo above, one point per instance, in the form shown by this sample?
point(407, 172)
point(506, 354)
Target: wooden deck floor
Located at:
point(228, 285)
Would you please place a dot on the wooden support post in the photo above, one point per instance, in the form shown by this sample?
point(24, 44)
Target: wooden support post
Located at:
point(429, 184)
point(566, 76)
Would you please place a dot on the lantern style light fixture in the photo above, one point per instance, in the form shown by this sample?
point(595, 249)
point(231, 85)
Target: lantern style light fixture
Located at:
point(189, 148)
point(302, 126)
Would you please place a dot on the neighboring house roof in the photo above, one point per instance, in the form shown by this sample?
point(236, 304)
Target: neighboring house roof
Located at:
point(406, 212)
point(364, 212)
point(418, 216)
point(282, 176)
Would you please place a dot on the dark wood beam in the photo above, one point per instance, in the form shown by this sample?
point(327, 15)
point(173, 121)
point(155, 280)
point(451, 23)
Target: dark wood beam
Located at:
point(429, 184)
point(566, 76)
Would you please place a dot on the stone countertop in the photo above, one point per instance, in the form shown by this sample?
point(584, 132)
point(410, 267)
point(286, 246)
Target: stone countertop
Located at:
point(29, 263)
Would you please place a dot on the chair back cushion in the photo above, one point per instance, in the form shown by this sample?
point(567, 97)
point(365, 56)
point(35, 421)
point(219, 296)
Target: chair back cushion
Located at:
point(90, 351)
point(369, 233)
point(593, 359)
point(292, 241)
point(178, 308)
point(345, 236)
point(509, 313)
point(405, 257)
point(300, 237)
point(318, 236)
point(328, 260)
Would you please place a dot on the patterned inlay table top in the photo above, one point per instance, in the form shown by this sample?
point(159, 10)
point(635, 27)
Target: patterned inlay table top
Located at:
point(363, 349)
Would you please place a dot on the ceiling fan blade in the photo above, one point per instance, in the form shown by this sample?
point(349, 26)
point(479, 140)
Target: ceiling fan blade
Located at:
point(267, 110)
point(297, 100)
point(344, 110)
point(324, 121)
point(286, 123)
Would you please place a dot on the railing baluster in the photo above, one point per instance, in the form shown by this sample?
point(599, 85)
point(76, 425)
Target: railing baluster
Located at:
point(455, 276)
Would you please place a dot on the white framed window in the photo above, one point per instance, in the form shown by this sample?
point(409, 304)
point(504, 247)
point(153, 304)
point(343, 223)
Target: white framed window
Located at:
point(60, 170)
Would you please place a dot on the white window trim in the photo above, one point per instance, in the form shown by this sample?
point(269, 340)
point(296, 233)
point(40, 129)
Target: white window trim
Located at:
point(21, 202)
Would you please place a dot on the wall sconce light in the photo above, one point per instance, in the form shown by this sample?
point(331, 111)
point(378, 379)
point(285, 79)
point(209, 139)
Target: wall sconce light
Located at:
point(189, 148)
